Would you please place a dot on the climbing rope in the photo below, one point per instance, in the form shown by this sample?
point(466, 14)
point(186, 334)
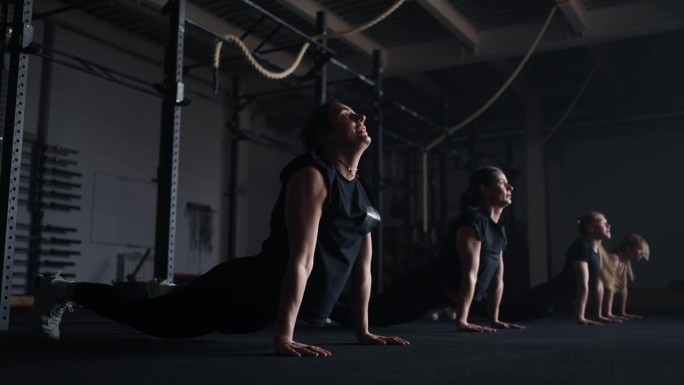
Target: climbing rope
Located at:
point(503, 88)
point(288, 71)
point(477, 113)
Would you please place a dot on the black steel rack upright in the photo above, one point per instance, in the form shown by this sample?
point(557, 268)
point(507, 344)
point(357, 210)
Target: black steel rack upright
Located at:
point(169, 146)
point(16, 35)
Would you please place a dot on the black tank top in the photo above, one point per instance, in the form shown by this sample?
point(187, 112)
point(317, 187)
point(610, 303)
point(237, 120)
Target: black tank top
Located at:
point(348, 216)
point(583, 251)
point(494, 240)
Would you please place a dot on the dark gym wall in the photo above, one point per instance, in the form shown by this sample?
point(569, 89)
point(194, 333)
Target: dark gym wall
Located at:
point(631, 172)
point(116, 131)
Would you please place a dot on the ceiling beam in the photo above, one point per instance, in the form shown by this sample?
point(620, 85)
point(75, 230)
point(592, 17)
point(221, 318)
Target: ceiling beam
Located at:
point(452, 20)
point(309, 8)
point(636, 18)
point(575, 14)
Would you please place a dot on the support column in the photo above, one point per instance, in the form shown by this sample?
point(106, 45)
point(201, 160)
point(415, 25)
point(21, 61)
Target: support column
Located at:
point(536, 193)
point(443, 176)
point(169, 143)
point(17, 34)
point(36, 173)
point(412, 184)
point(321, 86)
point(555, 202)
point(234, 175)
point(379, 172)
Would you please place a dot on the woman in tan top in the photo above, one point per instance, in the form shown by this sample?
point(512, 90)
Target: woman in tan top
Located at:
point(616, 271)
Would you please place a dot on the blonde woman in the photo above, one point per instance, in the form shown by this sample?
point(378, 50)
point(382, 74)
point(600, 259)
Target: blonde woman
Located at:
point(616, 271)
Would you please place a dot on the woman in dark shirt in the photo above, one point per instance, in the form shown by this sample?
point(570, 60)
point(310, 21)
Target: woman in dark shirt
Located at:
point(320, 237)
point(469, 267)
point(583, 258)
point(580, 277)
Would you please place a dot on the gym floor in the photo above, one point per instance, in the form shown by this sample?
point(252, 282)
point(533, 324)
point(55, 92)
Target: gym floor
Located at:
point(94, 350)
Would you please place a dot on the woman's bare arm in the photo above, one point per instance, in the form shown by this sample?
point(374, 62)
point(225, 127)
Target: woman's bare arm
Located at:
point(468, 246)
point(306, 193)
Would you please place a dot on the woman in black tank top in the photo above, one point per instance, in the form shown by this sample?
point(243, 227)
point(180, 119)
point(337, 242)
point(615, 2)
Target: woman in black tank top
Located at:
point(320, 237)
point(572, 286)
point(469, 266)
point(583, 258)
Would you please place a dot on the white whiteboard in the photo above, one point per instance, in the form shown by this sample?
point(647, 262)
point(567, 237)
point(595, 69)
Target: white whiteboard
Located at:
point(123, 211)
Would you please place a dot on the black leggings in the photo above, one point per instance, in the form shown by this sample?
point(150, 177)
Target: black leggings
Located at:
point(543, 300)
point(233, 297)
point(407, 299)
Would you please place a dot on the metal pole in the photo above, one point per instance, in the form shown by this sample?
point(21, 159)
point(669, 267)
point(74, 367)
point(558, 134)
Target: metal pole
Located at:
point(36, 182)
point(409, 219)
point(379, 172)
point(444, 180)
point(169, 146)
point(322, 75)
point(234, 170)
point(17, 33)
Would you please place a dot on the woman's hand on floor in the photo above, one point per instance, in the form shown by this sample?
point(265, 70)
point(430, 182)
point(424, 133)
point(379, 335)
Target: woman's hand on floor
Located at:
point(372, 339)
point(296, 349)
point(468, 327)
point(588, 322)
point(506, 325)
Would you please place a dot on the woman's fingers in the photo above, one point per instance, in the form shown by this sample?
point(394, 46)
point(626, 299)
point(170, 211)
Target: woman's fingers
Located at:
point(382, 340)
point(475, 328)
point(296, 349)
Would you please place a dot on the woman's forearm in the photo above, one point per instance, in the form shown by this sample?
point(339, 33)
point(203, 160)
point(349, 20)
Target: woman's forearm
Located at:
point(494, 302)
point(598, 297)
point(359, 309)
point(465, 298)
point(608, 300)
point(581, 302)
point(291, 295)
point(623, 300)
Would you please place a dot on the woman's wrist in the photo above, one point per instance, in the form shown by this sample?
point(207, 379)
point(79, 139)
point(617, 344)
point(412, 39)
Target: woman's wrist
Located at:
point(360, 332)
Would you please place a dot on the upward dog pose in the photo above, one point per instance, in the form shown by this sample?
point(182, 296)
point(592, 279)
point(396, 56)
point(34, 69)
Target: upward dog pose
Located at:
point(616, 272)
point(588, 267)
point(583, 256)
point(469, 267)
point(320, 236)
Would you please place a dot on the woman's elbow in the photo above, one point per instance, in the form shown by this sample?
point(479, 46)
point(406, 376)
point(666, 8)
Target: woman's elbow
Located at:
point(302, 266)
point(468, 280)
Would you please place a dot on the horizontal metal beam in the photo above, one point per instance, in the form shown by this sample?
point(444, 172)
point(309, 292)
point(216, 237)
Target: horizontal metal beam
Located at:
point(309, 8)
point(450, 18)
point(294, 30)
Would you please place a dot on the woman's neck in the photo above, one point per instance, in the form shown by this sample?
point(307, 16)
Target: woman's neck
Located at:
point(595, 243)
point(346, 163)
point(494, 212)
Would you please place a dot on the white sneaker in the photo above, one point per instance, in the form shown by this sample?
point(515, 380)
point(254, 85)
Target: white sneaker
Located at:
point(157, 288)
point(47, 310)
